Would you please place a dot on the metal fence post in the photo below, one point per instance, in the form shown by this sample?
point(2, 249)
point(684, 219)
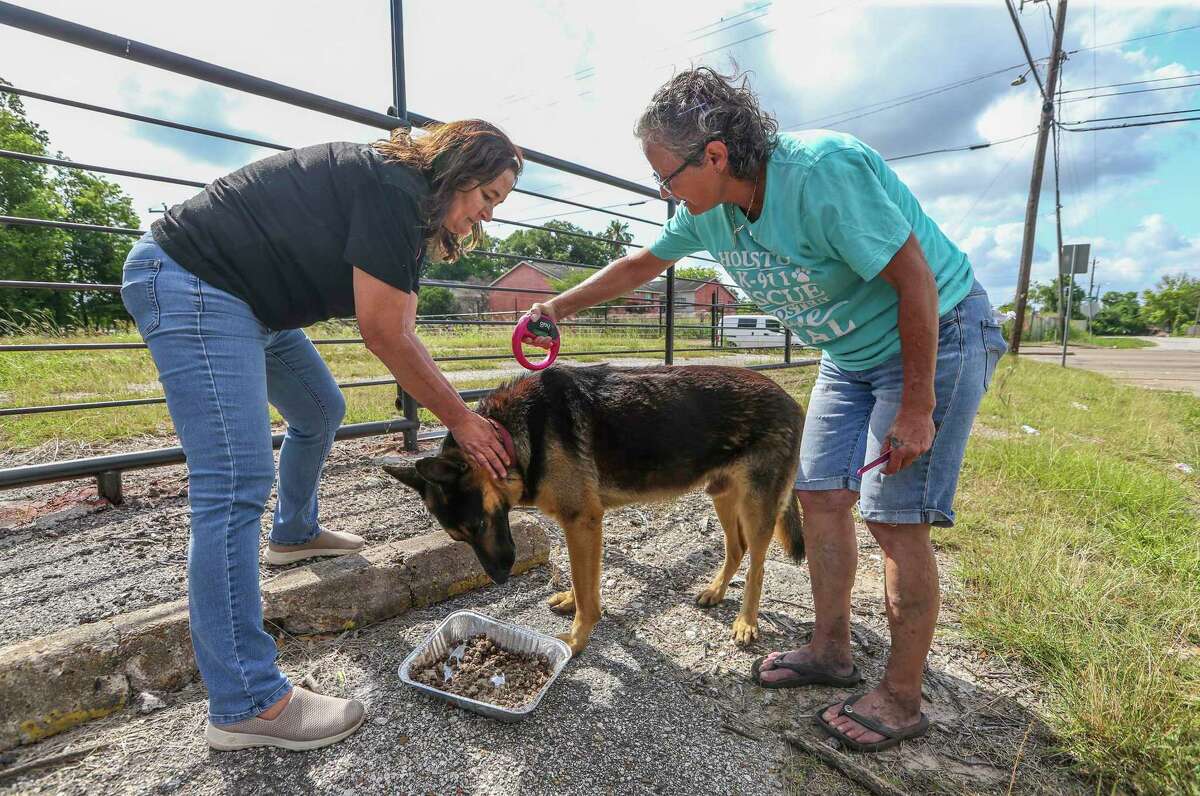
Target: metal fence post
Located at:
point(108, 486)
point(399, 99)
point(787, 345)
point(407, 405)
point(712, 318)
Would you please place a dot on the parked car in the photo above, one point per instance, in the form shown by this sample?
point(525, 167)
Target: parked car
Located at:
point(751, 331)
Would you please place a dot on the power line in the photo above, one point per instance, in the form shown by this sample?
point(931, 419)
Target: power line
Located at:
point(1133, 124)
point(1130, 83)
point(1136, 91)
point(723, 47)
point(1133, 116)
point(903, 99)
point(1135, 38)
point(964, 148)
point(727, 27)
point(726, 19)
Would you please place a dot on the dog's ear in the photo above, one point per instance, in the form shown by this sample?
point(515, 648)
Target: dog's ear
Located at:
point(441, 470)
point(406, 474)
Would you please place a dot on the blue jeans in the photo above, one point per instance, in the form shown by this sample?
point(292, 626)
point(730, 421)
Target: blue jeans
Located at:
point(850, 413)
point(220, 367)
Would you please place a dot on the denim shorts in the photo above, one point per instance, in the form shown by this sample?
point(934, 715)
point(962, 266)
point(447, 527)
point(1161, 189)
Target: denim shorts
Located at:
point(850, 413)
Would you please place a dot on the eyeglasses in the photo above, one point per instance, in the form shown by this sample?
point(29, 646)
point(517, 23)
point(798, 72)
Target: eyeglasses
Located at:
point(664, 183)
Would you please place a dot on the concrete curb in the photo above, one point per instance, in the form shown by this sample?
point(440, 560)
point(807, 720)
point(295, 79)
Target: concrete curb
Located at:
point(52, 683)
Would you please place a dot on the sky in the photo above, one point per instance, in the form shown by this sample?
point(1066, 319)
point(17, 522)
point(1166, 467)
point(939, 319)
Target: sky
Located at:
point(570, 79)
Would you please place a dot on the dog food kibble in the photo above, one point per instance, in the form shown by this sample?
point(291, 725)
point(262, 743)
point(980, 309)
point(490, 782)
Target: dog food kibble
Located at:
point(478, 668)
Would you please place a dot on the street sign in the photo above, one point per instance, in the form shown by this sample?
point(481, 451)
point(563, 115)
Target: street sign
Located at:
point(1074, 259)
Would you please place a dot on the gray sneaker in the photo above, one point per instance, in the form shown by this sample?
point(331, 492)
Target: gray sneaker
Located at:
point(309, 721)
point(326, 543)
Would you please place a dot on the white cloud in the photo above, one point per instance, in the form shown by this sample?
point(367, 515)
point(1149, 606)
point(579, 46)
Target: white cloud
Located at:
point(570, 80)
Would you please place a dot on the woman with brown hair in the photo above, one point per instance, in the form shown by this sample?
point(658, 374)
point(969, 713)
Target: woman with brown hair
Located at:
point(220, 290)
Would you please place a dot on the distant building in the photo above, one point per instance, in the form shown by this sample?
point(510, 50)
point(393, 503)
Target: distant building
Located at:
point(524, 280)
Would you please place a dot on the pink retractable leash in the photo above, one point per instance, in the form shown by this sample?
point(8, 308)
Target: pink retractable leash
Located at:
point(527, 330)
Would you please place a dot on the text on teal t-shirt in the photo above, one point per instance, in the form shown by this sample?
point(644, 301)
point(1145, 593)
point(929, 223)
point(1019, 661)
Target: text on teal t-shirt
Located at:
point(834, 214)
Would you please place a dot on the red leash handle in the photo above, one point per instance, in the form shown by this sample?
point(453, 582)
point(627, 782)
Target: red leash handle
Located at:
point(884, 455)
point(527, 330)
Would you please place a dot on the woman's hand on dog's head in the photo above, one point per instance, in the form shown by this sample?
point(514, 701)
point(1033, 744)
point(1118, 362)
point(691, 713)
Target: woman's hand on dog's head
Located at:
point(536, 312)
point(479, 440)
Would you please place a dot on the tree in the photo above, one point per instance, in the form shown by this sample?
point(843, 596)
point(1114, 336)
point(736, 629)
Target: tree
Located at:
point(1173, 306)
point(96, 256)
point(1120, 313)
point(26, 189)
point(700, 273)
point(1048, 296)
point(32, 190)
point(570, 279)
point(471, 266)
point(544, 243)
point(436, 301)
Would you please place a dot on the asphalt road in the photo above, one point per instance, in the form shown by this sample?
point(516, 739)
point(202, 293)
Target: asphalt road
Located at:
point(1172, 364)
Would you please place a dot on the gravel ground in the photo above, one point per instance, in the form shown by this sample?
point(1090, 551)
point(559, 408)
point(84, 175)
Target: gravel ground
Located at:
point(659, 702)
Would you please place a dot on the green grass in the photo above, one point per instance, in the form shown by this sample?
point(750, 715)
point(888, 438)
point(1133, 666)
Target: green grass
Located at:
point(1080, 550)
point(1112, 342)
point(61, 377)
point(1095, 341)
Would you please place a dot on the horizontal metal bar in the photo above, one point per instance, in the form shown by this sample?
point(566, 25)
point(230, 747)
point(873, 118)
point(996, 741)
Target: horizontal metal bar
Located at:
point(82, 286)
point(38, 222)
point(29, 347)
point(70, 164)
point(796, 363)
point(650, 303)
point(38, 410)
point(532, 259)
point(122, 47)
point(137, 117)
point(26, 475)
point(80, 407)
point(124, 231)
point(582, 235)
point(586, 207)
point(26, 347)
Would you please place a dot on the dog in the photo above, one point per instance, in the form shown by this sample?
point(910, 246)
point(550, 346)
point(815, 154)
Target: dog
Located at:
point(586, 439)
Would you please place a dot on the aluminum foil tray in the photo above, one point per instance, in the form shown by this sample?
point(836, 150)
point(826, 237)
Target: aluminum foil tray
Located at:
point(463, 624)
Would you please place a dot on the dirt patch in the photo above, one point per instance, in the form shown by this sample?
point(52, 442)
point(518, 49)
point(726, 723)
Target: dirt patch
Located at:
point(478, 668)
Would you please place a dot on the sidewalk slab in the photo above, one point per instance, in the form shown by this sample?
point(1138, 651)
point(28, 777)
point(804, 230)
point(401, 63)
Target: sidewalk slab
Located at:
point(55, 682)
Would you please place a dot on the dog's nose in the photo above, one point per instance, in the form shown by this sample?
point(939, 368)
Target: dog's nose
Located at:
point(500, 576)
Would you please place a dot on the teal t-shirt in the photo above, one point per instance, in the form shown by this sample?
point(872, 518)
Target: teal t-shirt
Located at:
point(834, 214)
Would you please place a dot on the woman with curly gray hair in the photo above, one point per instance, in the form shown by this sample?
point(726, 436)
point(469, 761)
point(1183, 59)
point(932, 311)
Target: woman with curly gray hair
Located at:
point(818, 231)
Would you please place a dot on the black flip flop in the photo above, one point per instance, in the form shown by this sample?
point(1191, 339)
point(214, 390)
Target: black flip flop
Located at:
point(806, 674)
point(891, 735)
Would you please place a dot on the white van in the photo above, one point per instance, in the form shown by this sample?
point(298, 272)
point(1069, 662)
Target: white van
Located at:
point(751, 331)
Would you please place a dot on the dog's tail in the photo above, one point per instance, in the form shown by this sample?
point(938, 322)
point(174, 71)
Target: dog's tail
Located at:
point(789, 528)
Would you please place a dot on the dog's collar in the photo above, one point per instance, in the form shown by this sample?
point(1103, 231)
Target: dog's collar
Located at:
point(505, 438)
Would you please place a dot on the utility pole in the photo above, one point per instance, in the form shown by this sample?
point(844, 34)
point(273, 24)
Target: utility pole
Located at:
point(1035, 184)
point(1063, 301)
point(1091, 310)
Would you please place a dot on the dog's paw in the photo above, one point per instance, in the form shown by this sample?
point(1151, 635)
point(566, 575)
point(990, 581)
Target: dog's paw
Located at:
point(563, 602)
point(574, 642)
point(710, 597)
point(744, 632)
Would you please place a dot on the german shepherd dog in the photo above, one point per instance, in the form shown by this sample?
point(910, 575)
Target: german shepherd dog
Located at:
point(590, 438)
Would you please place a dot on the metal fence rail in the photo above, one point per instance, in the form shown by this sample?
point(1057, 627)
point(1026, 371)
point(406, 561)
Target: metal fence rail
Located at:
point(107, 469)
